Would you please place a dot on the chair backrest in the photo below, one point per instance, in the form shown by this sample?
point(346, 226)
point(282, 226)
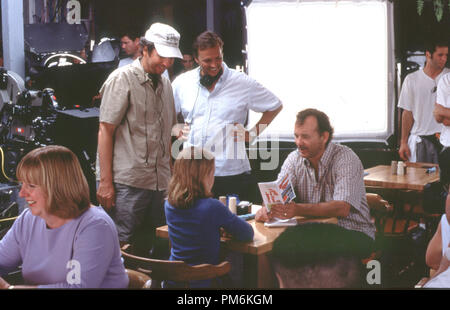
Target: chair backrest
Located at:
point(138, 279)
point(177, 271)
point(380, 210)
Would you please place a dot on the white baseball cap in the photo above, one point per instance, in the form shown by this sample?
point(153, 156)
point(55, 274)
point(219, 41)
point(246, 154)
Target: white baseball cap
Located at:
point(166, 40)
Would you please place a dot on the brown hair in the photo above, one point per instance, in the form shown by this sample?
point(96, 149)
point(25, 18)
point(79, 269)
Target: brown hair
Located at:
point(206, 40)
point(187, 184)
point(323, 122)
point(57, 170)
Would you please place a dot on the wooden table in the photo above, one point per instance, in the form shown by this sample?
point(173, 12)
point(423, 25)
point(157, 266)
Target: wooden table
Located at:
point(415, 178)
point(405, 192)
point(257, 270)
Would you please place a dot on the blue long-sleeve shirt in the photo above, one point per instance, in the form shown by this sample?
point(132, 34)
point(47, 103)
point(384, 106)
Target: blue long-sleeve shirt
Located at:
point(195, 232)
point(82, 253)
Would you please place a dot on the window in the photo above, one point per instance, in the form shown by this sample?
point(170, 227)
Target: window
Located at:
point(335, 56)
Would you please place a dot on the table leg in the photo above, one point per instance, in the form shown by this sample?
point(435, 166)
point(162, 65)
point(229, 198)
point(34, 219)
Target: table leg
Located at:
point(258, 272)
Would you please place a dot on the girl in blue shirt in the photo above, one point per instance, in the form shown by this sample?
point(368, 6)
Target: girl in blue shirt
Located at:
point(194, 218)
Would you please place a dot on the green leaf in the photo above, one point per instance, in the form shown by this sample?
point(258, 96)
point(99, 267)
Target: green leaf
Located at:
point(438, 9)
point(420, 4)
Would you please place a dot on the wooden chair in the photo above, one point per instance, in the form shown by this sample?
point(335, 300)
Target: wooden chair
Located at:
point(393, 243)
point(177, 271)
point(391, 221)
point(138, 279)
point(380, 210)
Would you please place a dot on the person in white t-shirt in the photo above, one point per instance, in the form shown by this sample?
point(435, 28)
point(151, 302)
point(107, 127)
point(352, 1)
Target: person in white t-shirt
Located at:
point(129, 42)
point(442, 108)
point(438, 251)
point(417, 97)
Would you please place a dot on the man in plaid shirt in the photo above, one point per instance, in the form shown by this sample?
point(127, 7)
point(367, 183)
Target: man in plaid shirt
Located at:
point(327, 179)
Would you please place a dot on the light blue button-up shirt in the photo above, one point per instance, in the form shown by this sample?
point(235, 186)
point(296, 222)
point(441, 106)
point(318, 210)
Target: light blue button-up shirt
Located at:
point(211, 115)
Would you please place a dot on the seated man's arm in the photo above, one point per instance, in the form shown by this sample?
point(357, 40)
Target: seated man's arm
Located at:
point(323, 209)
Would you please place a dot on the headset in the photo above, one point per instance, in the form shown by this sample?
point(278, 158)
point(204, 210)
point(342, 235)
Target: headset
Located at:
point(207, 80)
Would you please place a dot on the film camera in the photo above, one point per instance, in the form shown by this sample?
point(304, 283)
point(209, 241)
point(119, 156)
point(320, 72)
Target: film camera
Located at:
point(27, 120)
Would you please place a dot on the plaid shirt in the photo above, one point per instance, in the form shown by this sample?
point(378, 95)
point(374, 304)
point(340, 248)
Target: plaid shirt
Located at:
point(340, 178)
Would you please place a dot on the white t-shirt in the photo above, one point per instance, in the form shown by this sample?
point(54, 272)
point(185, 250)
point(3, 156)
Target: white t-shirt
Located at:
point(125, 61)
point(445, 233)
point(442, 280)
point(418, 95)
point(443, 98)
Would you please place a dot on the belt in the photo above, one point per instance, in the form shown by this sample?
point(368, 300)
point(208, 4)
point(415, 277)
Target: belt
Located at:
point(433, 139)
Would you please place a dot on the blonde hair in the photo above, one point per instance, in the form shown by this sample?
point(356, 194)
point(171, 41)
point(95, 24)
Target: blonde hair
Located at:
point(190, 171)
point(56, 169)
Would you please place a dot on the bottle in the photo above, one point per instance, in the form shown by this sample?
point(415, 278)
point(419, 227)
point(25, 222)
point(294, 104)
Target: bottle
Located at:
point(400, 168)
point(232, 204)
point(223, 199)
point(393, 167)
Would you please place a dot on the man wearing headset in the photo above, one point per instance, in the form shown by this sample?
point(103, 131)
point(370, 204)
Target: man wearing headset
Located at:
point(137, 114)
point(214, 101)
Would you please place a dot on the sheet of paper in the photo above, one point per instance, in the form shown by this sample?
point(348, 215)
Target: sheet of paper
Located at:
point(276, 222)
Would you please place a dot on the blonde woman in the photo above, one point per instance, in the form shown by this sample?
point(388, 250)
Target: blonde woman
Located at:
point(60, 240)
point(193, 217)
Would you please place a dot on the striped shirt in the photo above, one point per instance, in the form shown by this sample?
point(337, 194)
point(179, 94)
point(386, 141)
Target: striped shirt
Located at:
point(340, 178)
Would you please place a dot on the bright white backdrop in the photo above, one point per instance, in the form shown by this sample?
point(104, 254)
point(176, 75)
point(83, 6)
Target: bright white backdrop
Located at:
point(335, 56)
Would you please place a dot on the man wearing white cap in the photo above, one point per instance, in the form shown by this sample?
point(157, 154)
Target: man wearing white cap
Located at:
point(136, 117)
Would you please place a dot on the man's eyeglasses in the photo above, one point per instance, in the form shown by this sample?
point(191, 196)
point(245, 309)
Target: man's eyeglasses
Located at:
point(434, 90)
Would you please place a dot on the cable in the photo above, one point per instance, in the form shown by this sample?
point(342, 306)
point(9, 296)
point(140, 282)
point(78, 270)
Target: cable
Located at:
point(8, 219)
point(3, 165)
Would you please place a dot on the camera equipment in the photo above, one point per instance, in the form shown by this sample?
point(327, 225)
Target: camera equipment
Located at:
point(27, 120)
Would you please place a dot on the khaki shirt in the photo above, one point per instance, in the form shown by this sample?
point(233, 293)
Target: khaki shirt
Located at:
point(144, 120)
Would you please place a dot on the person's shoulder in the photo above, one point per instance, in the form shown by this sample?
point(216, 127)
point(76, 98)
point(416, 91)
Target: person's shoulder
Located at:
point(239, 76)
point(186, 77)
point(118, 74)
point(412, 78)
point(26, 217)
point(125, 62)
point(414, 75)
point(168, 206)
point(445, 79)
point(95, 216)
point(166, 82)
point(343, 152)
point(210, 202)
point(293, 157)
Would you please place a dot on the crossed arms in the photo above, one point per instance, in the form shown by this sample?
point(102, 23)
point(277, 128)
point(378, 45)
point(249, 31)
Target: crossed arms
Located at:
point(442, 114)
